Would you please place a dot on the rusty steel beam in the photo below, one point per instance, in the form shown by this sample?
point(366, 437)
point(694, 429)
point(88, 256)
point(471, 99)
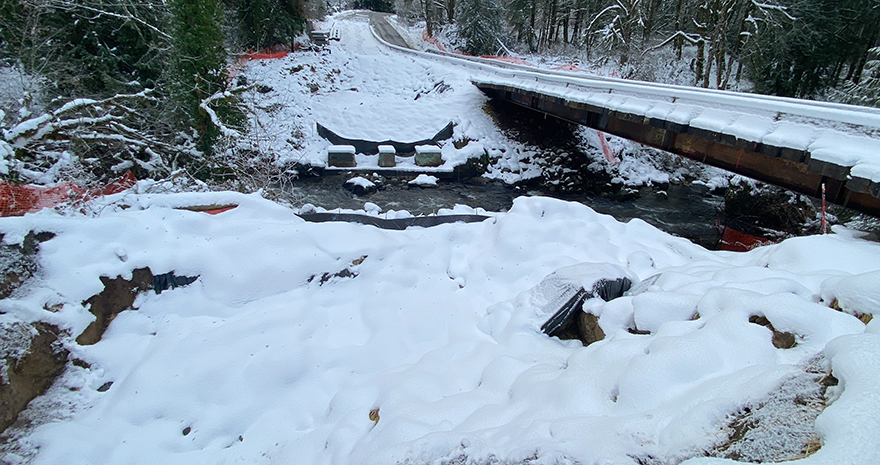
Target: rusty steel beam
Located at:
point(782, 166)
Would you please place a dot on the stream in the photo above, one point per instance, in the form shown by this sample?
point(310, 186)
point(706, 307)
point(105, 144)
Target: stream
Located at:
point(685, 211)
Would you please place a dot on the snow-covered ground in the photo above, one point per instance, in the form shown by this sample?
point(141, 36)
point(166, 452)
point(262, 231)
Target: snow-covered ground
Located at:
point(428, 349)
point(336, 343)
point(361, 89)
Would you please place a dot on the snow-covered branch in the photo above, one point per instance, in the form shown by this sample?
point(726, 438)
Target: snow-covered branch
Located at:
point(691, 38)
point(205, 105)
point(68, 116)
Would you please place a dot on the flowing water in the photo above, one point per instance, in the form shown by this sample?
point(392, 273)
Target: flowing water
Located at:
point(686, 211)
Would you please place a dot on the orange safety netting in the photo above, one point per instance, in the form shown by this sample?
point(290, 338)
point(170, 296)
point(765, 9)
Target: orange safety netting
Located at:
point(239, 62)
point(738, 241)
point(606, 149)
point(569, 67)
point(514, 60)
point(265, 55)
point(432, 40)
point(18, 199)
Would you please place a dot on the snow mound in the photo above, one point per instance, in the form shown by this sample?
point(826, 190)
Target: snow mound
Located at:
point(424, 180)
point(424, 346)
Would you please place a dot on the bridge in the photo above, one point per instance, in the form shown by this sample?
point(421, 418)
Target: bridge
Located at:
point(800, 145)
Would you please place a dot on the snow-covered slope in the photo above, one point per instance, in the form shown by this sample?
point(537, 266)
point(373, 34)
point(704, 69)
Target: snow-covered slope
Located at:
point(428, 349)
point(360, 89)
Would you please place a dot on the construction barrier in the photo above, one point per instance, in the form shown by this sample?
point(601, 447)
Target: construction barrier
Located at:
point(738, 241)
point(570, 67)
point(18, 199)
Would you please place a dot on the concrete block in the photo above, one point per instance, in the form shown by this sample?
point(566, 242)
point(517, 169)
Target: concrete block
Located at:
point(428, 155)
point(386, 156)
point(341, 156)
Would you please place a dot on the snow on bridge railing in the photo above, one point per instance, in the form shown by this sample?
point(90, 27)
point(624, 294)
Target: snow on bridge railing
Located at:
point(835, 112)
point(781, 121)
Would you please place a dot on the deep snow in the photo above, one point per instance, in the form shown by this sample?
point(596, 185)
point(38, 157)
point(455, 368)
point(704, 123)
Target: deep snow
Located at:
point(438, 329)
point(424, 345)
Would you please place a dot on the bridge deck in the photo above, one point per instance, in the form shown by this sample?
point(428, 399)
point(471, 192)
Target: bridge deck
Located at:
point(796, 148)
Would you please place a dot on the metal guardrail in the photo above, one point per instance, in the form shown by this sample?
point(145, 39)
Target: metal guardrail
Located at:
point(728, 100)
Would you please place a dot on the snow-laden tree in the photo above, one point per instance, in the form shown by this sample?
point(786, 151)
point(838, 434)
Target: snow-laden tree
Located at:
point(260, 24)
point(93, 47)
point(623, 27)
point(88, 70)
point(480, 25)
point(197, 72)
point(867, 90)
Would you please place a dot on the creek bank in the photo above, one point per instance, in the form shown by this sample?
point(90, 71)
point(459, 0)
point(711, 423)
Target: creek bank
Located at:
point(34, 354)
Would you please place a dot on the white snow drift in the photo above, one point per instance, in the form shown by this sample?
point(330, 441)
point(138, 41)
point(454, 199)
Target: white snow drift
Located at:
point(259, 362)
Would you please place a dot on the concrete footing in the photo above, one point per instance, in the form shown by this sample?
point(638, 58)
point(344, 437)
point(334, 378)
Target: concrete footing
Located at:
point(428, 155)
point(341, 156)
point(387, 155)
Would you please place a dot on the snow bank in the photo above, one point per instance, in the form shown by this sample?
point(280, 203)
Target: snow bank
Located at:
point(361, 91)
point(434, 332)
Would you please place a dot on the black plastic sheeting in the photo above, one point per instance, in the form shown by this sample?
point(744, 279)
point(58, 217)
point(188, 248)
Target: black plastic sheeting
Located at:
point(605, 289)
point(162, 282)
point(397, 224)
point(367, 147)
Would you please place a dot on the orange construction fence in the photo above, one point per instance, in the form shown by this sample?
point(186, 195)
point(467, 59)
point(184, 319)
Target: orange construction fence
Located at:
point(738, 241)
point(18, 199)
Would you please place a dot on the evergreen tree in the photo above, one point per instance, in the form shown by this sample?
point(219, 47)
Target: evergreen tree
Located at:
point(374, 5)
point(198, 66)
point(264, 23)
point(867, 90)
point(86, 48)
point(479, 24)
point(828, 40)
point(521, 15)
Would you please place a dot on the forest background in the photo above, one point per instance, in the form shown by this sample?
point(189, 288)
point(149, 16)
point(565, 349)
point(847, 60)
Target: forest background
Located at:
point(91, 88)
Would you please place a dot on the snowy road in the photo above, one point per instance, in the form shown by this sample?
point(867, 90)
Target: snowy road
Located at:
point(380, 24)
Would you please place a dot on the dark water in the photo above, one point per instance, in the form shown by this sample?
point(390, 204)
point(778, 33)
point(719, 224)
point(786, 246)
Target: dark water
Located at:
point(685, 211)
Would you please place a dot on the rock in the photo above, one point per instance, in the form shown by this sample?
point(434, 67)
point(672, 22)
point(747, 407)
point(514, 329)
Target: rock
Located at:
point(361, 186)
point(780, 339)
point(588, 326)
point(118, 295)
point(32, 358)
point(424, 180)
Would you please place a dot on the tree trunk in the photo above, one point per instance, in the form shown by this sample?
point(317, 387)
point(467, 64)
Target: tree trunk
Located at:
point(565, 21)
point(429, 18)
point(679, 41)
point(701, 59)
